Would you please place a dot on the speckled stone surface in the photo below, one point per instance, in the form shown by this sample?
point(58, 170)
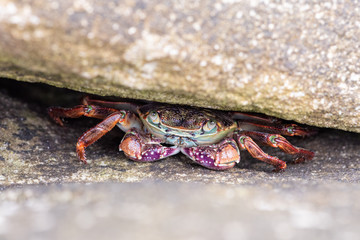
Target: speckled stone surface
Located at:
point(45, 192)
point(295, 60)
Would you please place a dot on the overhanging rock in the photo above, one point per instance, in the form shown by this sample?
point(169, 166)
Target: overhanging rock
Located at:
point(297, 61)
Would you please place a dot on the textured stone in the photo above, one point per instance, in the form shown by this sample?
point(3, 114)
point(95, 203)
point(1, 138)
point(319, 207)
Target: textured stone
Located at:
point(295, 60)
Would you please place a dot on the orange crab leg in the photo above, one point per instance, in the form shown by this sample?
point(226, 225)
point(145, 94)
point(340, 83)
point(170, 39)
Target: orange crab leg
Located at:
point(278, 141)
point(124, 119)
point(81, 110)
point(255, 117)
point(270, 124)
point(132, 107)
point(246, 143)
point(95, 133)
point(284, 129)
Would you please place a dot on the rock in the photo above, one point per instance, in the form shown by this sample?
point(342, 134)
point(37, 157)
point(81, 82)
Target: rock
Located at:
point(297, 61)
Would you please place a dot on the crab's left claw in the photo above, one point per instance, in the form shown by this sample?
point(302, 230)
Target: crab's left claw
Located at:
point(219, 156)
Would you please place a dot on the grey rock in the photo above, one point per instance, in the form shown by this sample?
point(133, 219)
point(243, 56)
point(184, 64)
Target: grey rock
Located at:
point(294, 60)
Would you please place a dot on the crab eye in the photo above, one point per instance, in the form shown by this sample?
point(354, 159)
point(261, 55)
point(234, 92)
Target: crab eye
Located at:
point(210, 125)
point(122, 114)
point(154, 117)
point(290, 129)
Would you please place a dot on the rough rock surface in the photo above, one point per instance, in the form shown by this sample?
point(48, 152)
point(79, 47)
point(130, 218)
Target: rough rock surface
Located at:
point(295, 60)
point(45, 192)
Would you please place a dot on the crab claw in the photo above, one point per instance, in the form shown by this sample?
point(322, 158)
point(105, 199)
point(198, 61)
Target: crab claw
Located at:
point(218, 156)
point(140, 147)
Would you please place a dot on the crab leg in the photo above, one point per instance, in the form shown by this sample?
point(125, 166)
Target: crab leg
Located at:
point(254, 117)
point(275, 140)
point(109, 104)
point(283, 129)
point(125, 120)
point(95, 133)
point(143, 147)
point(81, 110)
point(218, 156)
point(112, 117)
point(246, 143)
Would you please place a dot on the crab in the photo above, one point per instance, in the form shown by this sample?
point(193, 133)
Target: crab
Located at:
point(211, 138)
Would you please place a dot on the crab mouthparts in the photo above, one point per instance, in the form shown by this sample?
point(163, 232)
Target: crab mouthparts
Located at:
point(180, 141)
